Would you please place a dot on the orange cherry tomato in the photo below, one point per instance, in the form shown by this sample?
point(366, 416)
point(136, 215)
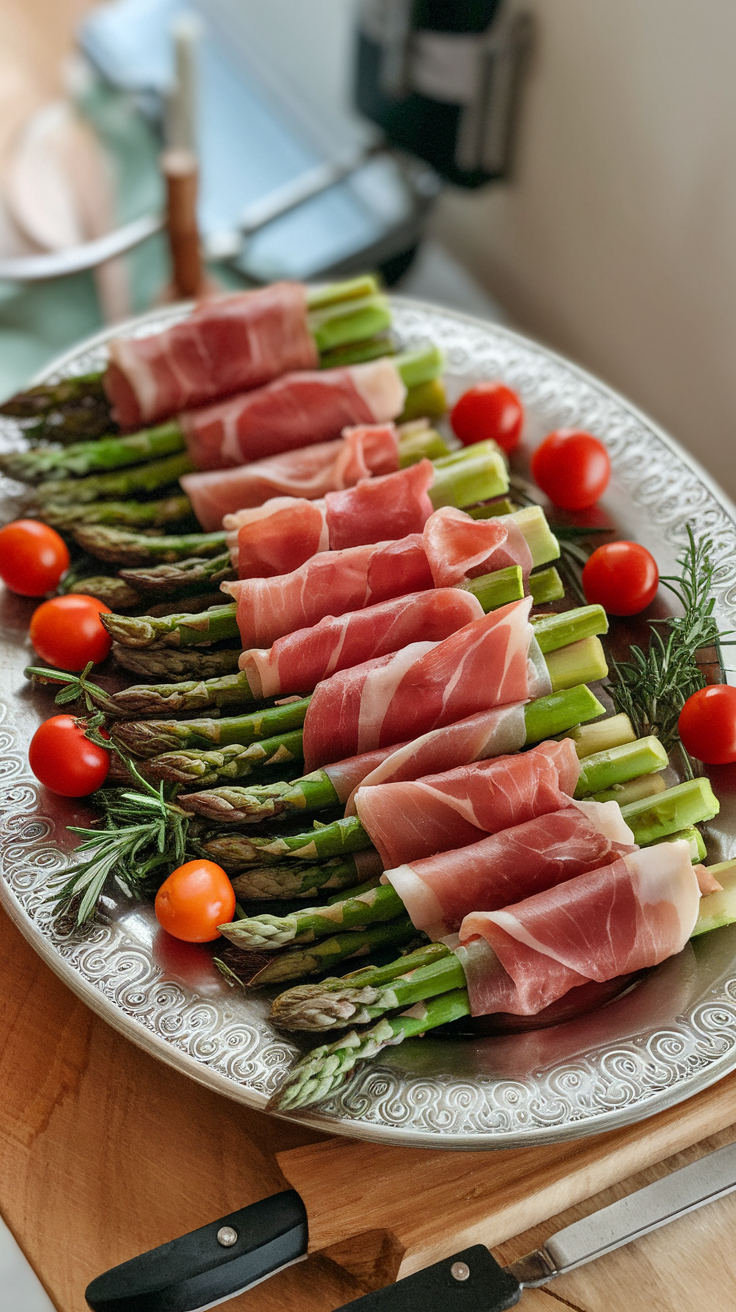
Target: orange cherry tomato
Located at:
point(32, 557)
point(707, 724)
point(572, 468)
point(66, 631)
point(622, 577)
point(194, 900)
point(64, 760)
point(488, 411)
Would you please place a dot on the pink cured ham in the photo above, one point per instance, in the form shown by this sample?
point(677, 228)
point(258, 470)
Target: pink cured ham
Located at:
point(299, 661)
point(377, 509)
point(419, 818)
point(623, 917)
point(293, 411)
point(497, 732)
point(490, 662)
point(309, 472)
point(330, 583)
point(439, 891)
point(459, 547)
point(227, 344)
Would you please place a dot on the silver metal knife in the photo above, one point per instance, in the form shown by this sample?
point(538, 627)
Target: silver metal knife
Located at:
point(213, 1264)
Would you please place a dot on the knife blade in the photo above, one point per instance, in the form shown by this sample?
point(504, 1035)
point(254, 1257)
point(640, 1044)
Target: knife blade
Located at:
point(472, 1280)
point(226, 1257)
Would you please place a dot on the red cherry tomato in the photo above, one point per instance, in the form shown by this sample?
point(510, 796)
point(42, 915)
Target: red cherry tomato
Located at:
point(622, 577)
point(194, 900)
point(32, 557)
point(64, 760)
point(66, 631)
point(572, 468)
point(707, 724)
point(488, 410)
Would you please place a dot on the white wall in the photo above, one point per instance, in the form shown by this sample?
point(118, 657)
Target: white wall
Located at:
point(616, 242)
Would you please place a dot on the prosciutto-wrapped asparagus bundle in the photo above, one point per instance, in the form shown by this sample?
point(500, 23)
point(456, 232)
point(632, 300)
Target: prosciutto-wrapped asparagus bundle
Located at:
point(231, 344)
point(309, 473)
point(283, 533)
point(451, 549)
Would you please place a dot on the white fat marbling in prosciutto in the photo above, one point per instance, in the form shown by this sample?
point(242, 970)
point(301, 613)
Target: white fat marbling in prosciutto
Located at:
point(310, 472)
point(454, 808)
point(439, 891)
point(295, 410)
point(228, 344)
point(622, 917)
point(374, 511)
point(329, 583)
point(485, 664)
point(459, 547)
point(300, 660)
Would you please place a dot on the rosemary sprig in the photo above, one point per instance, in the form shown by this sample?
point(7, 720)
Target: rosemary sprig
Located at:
point(653, 686)
point(143, 831)
point(75, 687)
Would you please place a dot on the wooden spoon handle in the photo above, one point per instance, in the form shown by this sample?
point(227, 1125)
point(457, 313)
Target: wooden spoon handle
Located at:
point(179, 168)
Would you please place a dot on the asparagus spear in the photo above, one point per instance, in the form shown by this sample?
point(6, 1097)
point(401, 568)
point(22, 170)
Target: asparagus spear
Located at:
point(233, 761)
point(45, 397)
point(102, 456)
point(108, 588)
point(358, 352)
point(148, 477)
point(147, 738)
point(690, 803)
point(173, 663)
point(616, 765)
point(318, 957)
point(278, 882)
point(611, 732)
point(544, 718)
point(546, 585)
point(118, 547)
point(647, 785)
point(114, 515)
point(184, 576)
point(424, 400)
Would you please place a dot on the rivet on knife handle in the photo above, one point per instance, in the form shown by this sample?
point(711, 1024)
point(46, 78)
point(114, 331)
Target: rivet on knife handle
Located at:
point(471, 1281)
point(210, 1264)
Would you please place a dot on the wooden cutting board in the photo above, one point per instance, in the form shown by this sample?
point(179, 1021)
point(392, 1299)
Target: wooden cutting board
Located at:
point(105, 1152)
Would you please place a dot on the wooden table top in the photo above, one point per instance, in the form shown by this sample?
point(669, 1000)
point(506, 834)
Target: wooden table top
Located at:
point(105, 1152)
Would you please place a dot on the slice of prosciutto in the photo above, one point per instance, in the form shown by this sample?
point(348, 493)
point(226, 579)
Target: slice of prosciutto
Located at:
point(329, 583)
point(299, 661)
point(439, 891)
point(490, 662)
point(459, 547)
point(622, 917)
point(311, 472)
point(295, 410)
point(227, 344)
point(281, 535)
point(452, 809)
point(334, 582)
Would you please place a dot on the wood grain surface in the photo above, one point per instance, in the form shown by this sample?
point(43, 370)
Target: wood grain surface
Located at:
point(105, 1152)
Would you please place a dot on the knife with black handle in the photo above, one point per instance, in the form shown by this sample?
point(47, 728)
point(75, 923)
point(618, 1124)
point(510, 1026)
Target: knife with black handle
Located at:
point(231, 1255)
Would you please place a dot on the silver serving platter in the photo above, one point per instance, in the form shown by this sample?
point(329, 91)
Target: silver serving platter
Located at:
point(650, 1048)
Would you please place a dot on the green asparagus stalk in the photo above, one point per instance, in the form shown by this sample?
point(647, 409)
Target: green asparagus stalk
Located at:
point(718, 909)
point(424, 401)
point(419, 441)
point(691, 803)
point(118, 547)
point(612, 732)
point(229, 690)
point(185, 576)
point(102, 456)
point(647, 785)
point(292, 879)
point(148, 477)
point(476, 473)
point(580, 662)
point(544, 718)
point(358, 352)
point(693, 838)
point(313, 923)
point(71, 518)
point(312, 1008)
point(46, 397)
point(358, 321)
point(554, 631)
point(109, 589)
point(297, 963)
point(234, 761)
point(546, 586)
point(616, 765)
point(172, 663)
point(492, 509)
point(148, 738)
point(324, 1069)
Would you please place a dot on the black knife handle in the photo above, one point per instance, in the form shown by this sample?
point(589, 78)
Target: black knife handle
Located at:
point(471, 1281)
point(198, 1270)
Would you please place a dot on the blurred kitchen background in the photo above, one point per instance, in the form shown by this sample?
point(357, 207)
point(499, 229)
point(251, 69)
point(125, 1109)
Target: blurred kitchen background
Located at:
point(568, 167)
